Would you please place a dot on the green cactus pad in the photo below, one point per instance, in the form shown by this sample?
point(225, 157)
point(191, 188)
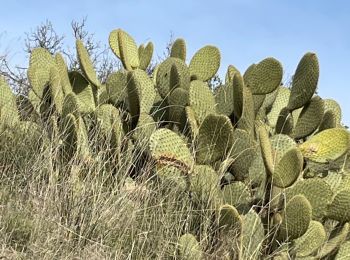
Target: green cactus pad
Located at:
point(281, 102)
point(327, 145)
point(69, 131)
point(201, 99)
point(317, 192)
point(253, 236)
point(171, 177)
point(169, 148)
point(116, 86)
point(125, 48)
point(229, 218)
point(144, 129)
point(264, 77)
point(145, 55)
point(269, 101)
point(288, 169)
point(83, 142)
point(295, 114)
point(311, 241)
point(296, 218)
point(329, 120)
point(141, 92)
point(160, 108)
point(83, 91)
point(238, 195)
point(56, 89)
point(345, 182)
point(189, 248)
point(175, 78)
point(335, 242)
point(192, 121)
point(258, 102)
point(285, 122)
point(63, 71)
point(71, 105)
point(205, 63)
point(231, 71)
point(8, 107)
point(246, 122)
point(178, 100)
point(224, 99)
point(40, 63)
point(332, 105)
point(334, 180)
point(163, 76)
point(107, 115)
point(243, 153)
point(266, 149)
point(280, 145)
point(205, 185)
point(85, 64)
point(237, 88)
point(344, 251)
point(339, 208)
point(178, 49)
point(304, 81)
point(309, 118)
point(86, 100)
point(214, 138)
point(77, 81)
point(257, 175)
point(101, 95)
point(34, 100)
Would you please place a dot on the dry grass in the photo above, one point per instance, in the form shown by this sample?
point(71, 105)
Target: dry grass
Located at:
point(92, 209)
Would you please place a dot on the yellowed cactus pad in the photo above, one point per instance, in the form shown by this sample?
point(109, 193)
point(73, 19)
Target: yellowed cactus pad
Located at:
point(326, 146)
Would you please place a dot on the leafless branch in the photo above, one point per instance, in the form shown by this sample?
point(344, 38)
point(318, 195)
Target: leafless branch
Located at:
point(44, 36)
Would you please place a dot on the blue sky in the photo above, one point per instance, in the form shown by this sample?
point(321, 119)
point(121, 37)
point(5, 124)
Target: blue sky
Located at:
point(245, 31)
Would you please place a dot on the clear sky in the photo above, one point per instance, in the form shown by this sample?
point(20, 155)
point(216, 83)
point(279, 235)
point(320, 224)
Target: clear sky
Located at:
point(245, 31)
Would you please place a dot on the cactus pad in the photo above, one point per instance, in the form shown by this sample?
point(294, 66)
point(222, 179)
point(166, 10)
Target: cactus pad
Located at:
point(85, 64)
point(238, 195)
point(205, 63)
point(288, 169)
point(264, 77)
point(214, 138)
point(178, 49)
point(63, 71)
point(8, 108)
point(40, 63)
point(296, 218)
point(205, 185)
point(201, 100)
point(327, 145)
point(253, 236)
point(116, 86)
point(332, 105)
point(125, 48)
point(229, 218)
point(163, 78)
point(168, 148)
point(311, 241)
point(344, 251)
point(304, 81)
point(317, 192)
point(339, 208)
point(141, 92)
point(309, 118)
point(145, 55)
point(189, 248)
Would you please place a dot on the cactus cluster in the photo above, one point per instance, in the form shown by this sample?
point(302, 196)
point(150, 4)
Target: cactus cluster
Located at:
point(268, 161)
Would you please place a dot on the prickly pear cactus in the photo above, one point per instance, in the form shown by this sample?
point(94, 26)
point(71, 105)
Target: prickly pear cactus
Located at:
point(264, 166)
